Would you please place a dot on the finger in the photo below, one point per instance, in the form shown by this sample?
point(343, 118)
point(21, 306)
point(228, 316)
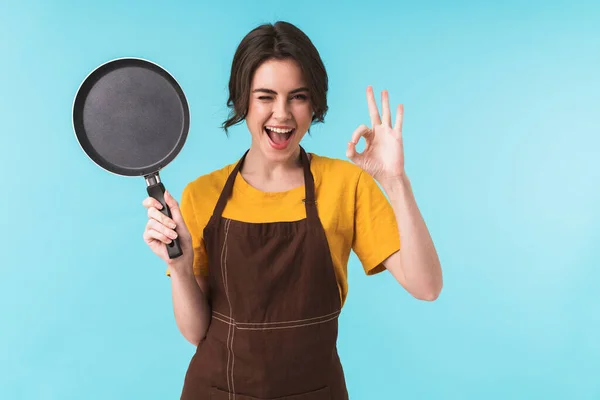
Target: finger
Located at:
point(365, 132)
point(399, 118)
point(353, 155)
point(152, 202)
point(373, 111)
point(351, 152)
point(151, 234)
point(162, 229)
point(160, 217)
point(386, 115)
point(361, 131)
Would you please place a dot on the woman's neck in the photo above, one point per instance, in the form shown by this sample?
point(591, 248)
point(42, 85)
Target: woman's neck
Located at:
point(272, 176)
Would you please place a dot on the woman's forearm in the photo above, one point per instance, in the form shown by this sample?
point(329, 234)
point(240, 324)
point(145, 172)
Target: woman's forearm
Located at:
point(418, 261)
point(190, 305)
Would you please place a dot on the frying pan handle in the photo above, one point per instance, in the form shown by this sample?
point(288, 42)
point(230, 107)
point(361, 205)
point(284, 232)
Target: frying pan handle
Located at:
point(157, 190)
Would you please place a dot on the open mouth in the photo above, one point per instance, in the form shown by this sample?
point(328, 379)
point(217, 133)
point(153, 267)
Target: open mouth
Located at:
point(279, 138)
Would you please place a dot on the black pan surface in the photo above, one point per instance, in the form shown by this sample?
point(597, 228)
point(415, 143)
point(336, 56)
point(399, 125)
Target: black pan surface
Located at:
point(131, 117)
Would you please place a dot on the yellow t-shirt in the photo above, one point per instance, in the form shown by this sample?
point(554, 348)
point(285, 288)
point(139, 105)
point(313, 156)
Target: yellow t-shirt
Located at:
point(353, 210)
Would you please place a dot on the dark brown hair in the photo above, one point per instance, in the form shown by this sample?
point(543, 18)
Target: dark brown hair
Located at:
point(281, 40)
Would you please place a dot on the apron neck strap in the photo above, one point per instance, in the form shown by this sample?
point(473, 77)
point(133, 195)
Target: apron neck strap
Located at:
point(309, 185)
point(310, 203)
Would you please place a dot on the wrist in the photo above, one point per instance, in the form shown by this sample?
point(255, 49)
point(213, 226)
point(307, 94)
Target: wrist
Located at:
point(395, 184)
point(181, 267)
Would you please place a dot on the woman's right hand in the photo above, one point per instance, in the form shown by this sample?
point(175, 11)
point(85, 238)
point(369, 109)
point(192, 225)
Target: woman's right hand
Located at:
point(161, 230)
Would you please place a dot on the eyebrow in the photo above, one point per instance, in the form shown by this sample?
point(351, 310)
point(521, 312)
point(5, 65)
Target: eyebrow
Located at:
point(269, 91)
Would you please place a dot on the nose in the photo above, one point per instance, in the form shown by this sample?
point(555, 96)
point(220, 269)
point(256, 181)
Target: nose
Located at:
point(281, 109)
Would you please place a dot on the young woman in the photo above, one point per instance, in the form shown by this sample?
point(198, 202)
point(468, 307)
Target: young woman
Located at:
point(266, 240)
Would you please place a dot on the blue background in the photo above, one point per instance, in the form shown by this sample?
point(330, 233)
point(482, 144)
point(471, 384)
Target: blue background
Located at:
point(502, 139)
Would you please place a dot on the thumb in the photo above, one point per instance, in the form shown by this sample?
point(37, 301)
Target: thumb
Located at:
point(352, 154)
point(364, 132)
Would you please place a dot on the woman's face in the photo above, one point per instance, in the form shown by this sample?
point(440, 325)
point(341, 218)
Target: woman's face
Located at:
point(279, 110)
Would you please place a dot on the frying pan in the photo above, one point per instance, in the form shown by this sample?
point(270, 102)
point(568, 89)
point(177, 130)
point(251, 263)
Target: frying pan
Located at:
point(131, 118)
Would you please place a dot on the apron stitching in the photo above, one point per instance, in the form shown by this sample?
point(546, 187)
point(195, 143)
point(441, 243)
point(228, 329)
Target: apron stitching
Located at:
point(234, 324)
point(224, 276)
point(231, 313)
point(288, 322)
point(222, 320)
point(237, 323)
point(222, 315)
point(290, 326)
point(232, 359)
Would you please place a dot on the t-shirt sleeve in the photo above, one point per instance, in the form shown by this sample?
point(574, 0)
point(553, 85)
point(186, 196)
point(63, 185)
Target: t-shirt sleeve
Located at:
point(190, 217)
point(376, 235)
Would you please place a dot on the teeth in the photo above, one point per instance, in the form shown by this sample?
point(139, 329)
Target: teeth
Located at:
point(277, 130)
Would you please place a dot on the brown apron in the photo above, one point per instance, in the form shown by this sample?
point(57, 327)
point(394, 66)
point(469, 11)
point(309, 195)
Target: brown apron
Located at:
point(275, 305)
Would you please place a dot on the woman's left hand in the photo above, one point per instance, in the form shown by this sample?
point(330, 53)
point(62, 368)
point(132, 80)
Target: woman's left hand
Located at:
point(383, 156)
